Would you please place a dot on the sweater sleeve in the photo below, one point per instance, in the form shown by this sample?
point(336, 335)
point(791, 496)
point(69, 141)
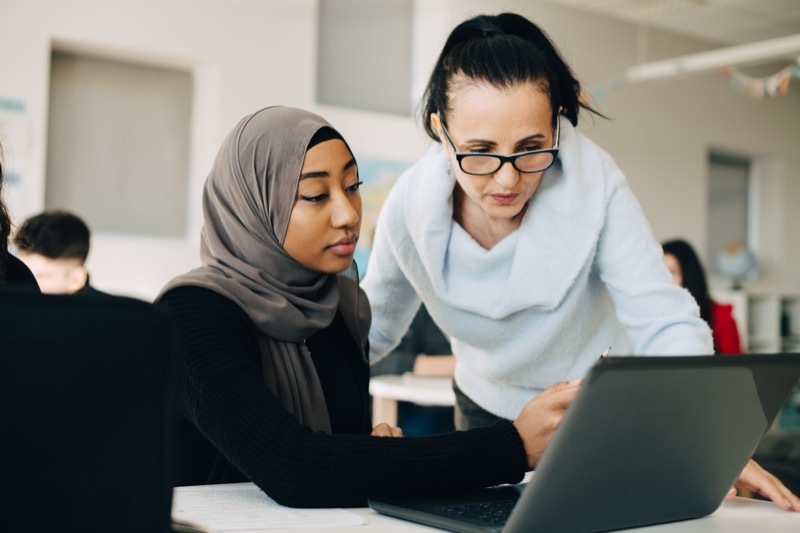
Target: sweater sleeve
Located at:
point(393, 299)
point(18, 275)
point(660, 317)
point(228, 402)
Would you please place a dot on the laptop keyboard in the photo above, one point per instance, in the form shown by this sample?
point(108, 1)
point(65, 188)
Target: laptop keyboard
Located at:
point(494, 513)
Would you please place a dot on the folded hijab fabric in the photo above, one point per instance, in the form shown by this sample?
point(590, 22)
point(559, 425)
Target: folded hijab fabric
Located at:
point(247, 202)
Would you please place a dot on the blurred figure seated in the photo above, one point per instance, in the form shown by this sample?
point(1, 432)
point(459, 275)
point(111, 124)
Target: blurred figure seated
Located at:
point(54, 245)
point(688, 272)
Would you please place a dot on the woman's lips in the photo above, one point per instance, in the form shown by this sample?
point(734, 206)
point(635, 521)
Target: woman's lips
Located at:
point(504, 198)
point(344, 247)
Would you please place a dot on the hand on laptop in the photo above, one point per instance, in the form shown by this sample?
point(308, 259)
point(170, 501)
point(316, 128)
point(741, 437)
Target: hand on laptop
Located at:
point(541, 416)
point(756, 479)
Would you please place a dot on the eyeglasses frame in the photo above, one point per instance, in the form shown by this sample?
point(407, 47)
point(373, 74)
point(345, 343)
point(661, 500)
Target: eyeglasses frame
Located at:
point(506, 158)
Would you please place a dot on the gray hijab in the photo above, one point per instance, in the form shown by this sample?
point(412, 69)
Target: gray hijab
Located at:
point(247, 201)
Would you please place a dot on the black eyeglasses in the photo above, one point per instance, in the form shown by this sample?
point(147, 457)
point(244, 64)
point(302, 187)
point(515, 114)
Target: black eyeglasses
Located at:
point(479, 164)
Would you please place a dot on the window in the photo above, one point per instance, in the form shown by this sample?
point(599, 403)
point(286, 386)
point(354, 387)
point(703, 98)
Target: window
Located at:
point(364, 55)
point(728, 205)
point(118, 144)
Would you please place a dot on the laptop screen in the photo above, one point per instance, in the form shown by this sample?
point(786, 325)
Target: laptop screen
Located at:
point(646, 440)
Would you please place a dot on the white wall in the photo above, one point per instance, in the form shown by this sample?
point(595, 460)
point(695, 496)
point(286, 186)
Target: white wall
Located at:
point(245, 55)
point(248, 54)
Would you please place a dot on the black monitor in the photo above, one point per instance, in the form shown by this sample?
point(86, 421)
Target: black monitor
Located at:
point(87, 409)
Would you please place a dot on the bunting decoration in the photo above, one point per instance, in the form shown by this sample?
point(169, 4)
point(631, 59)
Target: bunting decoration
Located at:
point(772, 86)
point(722, 60)
point(597, 91)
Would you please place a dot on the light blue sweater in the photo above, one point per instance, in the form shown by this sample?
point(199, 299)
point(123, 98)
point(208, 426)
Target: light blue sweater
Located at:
point(582, 272)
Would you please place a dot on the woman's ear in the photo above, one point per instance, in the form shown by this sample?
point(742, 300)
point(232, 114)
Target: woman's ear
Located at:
point(77, 278)
point(436, 123)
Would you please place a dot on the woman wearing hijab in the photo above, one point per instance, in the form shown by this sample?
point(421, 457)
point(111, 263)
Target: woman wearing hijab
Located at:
point(274, 375)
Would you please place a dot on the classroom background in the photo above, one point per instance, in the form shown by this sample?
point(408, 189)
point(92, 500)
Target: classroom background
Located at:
point(362, 65)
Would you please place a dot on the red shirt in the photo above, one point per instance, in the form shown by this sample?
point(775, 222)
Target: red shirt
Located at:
point(726, 334)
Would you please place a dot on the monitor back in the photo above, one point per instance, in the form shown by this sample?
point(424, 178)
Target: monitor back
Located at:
point(86, 401)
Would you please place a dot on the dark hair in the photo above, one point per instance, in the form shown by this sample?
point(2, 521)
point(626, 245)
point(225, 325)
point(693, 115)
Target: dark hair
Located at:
point(502, 50)
point(694, 276)
point(54, 234)
point(324, 134)
point(5, 227)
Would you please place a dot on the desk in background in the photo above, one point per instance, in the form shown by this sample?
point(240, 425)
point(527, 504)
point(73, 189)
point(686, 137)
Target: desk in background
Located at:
point(387, 390)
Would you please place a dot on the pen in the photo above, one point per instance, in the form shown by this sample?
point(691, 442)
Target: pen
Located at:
point(605, 353)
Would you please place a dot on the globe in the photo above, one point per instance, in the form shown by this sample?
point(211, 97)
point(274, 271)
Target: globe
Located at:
point(737, 263)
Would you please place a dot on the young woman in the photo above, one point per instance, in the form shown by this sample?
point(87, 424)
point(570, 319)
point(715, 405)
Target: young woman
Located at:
point(687, 271)
point(274, 373)
point(520, 236)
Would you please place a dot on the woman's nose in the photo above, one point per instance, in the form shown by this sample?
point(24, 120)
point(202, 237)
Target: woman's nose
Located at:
point(345, 213)
point(507, 176)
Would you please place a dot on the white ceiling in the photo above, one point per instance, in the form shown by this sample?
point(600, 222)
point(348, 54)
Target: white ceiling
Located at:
point(728, 22)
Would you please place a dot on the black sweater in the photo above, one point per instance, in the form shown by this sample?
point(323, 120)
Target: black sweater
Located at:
point(233, 429)
point(18, 276)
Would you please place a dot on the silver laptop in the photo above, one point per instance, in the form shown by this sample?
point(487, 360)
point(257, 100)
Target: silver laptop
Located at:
point(647, 440)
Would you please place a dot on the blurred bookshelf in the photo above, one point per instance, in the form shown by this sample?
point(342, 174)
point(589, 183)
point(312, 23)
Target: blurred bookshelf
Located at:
point(769, 322)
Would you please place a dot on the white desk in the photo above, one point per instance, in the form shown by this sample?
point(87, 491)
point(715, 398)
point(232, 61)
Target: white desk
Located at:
point(740, 515)
point(387, 390)
point(245, 509)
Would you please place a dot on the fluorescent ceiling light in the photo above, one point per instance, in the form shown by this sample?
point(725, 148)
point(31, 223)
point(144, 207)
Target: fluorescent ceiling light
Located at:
point(743, 54)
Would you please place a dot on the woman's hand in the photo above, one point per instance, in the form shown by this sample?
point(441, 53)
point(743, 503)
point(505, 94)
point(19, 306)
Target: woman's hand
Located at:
point(434, 365)
point(385, 430)
point(756, 479)
point(541, 416)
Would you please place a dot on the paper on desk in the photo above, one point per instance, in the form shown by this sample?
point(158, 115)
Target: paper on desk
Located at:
point(243, 506)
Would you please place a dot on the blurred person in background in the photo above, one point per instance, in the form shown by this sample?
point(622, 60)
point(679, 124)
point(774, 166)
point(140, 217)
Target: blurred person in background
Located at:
point(55, 245)
point(687, 271)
